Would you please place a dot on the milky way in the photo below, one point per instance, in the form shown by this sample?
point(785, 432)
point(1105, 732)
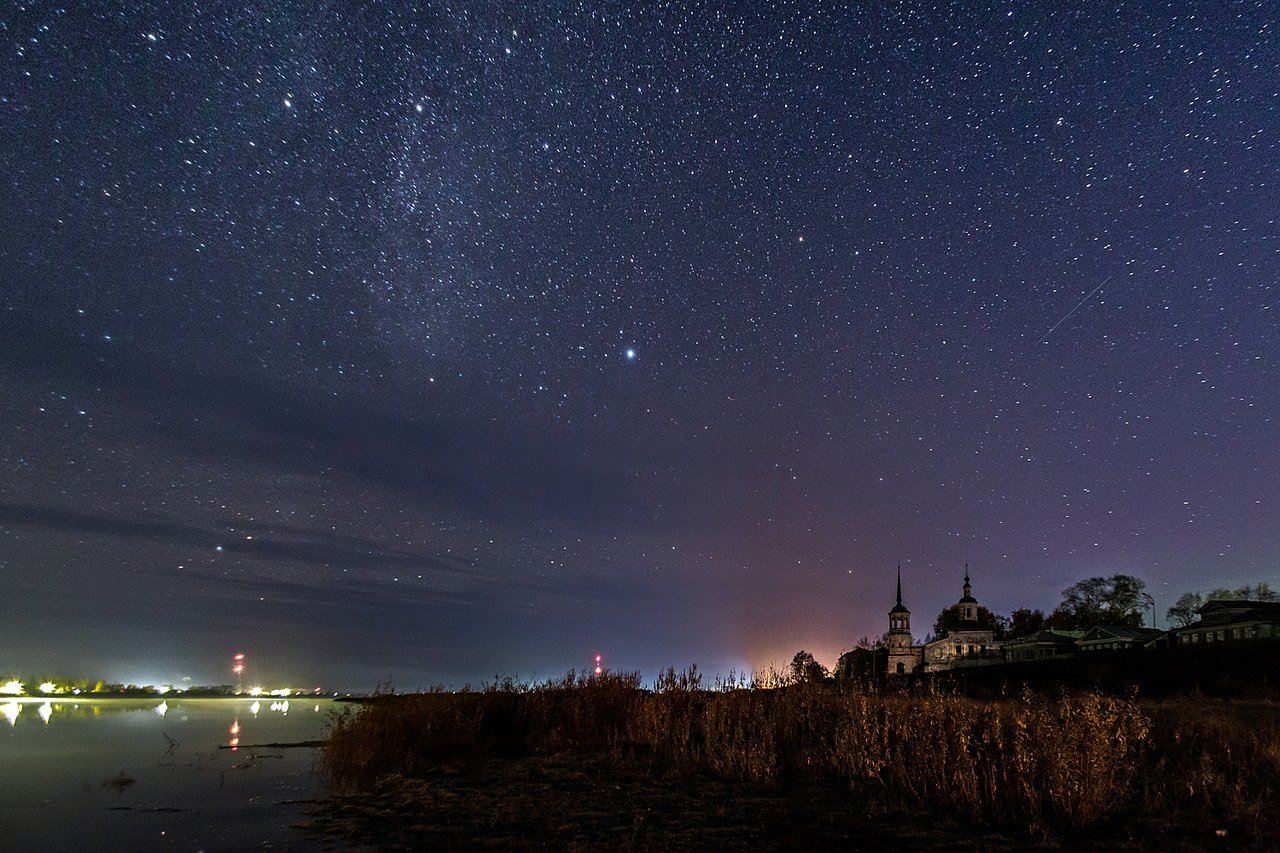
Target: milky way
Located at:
point(434, 342)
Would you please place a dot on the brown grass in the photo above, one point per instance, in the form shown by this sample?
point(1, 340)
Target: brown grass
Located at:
point(1063, 763)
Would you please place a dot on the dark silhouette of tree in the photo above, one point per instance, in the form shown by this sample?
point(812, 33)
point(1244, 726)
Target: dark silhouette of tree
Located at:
point(949, 620)
point(1261, 592)
point(804, 668)
point(1117, 600)
point(1184, 610)
point(1025, 621)
point(1062, 619)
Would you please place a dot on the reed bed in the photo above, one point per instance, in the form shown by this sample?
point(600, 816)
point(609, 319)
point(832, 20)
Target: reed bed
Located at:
point(1060, 763)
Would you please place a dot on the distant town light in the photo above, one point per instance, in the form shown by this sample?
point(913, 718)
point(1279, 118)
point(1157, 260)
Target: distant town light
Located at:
point(12, 688)
point(48, 687)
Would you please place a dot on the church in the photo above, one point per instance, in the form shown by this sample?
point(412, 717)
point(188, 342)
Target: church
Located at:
point(969, 644)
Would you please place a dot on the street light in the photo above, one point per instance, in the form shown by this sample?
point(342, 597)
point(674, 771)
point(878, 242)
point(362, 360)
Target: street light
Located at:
point(1151, 602)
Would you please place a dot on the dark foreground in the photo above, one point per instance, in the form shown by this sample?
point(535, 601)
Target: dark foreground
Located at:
point(597, 762)
point(594, 804)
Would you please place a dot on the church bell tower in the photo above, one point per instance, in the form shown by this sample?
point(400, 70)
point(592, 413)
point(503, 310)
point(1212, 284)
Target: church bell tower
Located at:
point(901, 658)
point(968, 605)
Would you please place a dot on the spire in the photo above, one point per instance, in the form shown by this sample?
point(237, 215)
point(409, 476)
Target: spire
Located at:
point(899, 608)
point(967, 587)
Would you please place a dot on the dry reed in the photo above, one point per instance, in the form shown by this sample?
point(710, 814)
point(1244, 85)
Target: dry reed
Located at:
point(1065, 763)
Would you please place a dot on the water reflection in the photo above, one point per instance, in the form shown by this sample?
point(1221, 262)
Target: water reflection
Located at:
point(46, 709)
point(57, 782)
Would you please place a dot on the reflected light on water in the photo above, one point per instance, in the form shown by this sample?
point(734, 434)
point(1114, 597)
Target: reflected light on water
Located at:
point(162, 708)
point(11, 710)
point(234, 743)
point(255, 708)
point(46, 711)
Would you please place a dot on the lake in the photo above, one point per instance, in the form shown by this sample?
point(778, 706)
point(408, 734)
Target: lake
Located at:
point(65, 768)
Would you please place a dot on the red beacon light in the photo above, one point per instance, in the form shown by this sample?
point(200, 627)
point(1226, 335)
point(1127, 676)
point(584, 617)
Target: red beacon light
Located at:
point(599, 668)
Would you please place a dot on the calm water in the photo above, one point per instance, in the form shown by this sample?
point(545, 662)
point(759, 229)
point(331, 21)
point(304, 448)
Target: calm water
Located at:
point(58, 761)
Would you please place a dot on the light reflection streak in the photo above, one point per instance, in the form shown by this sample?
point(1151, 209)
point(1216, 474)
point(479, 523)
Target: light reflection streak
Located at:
point(11, 710)
point(46, 711)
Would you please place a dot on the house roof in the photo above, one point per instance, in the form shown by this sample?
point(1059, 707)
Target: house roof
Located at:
point(1267, 607)
point(1122, 632)
point(1049, 635)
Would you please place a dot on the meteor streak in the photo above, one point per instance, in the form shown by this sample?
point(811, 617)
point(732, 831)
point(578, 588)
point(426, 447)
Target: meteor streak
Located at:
point(1072, 311)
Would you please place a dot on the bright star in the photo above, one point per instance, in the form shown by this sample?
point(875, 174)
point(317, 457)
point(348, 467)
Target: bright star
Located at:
point(630, 354)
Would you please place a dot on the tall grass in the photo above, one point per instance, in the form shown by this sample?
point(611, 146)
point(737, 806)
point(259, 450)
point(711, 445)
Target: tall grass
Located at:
point(1051, 763)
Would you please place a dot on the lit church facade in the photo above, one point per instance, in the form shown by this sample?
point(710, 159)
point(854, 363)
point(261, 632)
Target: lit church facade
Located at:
point(969, 644)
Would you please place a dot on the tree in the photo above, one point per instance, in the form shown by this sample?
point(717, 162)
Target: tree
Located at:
point(949, 620)
point(1261, 592)
point(1024, 621)
point(805, 669)
point(1063, 619)
point(1117, 600)
point(1184, 610)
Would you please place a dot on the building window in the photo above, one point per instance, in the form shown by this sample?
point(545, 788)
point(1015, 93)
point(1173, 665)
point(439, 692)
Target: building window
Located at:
point(959, 650)
point(902, 669)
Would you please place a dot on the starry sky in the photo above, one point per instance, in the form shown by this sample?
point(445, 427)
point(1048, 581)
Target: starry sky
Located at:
point(430, 341)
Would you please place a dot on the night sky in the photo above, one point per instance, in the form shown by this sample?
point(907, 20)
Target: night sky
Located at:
point(431, 342)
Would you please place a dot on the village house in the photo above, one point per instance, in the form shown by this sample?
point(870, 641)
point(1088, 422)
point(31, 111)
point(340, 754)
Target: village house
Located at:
point(1223, 621)
point(1114, 638)
point(1042, 645)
